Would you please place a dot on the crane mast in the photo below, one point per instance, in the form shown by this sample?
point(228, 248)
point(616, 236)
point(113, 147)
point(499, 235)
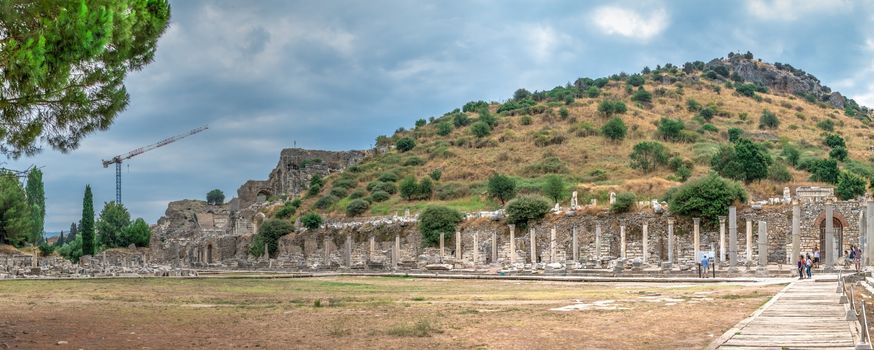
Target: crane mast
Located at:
point(117, 160)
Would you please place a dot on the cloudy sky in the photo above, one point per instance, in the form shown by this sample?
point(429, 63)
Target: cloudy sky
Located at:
point(334, 75)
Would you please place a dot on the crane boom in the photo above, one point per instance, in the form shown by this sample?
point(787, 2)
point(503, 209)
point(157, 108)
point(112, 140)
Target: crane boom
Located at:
point(122, 157)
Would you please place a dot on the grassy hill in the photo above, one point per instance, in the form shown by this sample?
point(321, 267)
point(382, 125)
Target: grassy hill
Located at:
point(535, 134)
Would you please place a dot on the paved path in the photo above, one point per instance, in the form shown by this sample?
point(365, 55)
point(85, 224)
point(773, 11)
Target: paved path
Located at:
point(804, 315)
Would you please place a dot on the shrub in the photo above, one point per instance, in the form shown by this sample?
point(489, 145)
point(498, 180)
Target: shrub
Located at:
point(256, 246)
point(451, 190)
point(405, 144)
point(408, 187)
point(614, 129)
point(425, 189)
point(834, 140)
point(838, 153)
point(636, 80)
point(525, 120)
point(357, 194)
point(548, 165)
point(435, 220)
point(791, 153)
point(593, 91)
point(523, 210)
point(460, 120)
point(648, 156)
point(707, 113)
point(554, 188)
point(444, 129)
point(326, 202)
point(387, 187)
point(344, 183)
point(682, 168)
point(849, 186)
point(779, 173)
point(609, 108)
point(338, 192)
point(748, 89)
point(414, 161)
point(388, 177)
point(420, 123)
point(563, 112)
point(286, 211)
point(826, 124)
point(474, 106)
point(480, 129)
point(546, 137)
point(744, 160)
point(708, 197)
point(641, 96)
point(823, 170)
point(436, 174)
point(311, 221)
point(379, 196)
point(670, 129)
point(768, 120)
point(583, 129)
point(625, 202)
point(735, 134)
point(692, 105)
point(357, 207)
point(501, 187)
point(488, 118)
point(709, 128)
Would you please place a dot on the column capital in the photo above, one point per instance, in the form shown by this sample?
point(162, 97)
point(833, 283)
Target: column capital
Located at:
point(511, 226)
point(696, 220)
point(645, 224)
point(670, 221)
point(722, 219)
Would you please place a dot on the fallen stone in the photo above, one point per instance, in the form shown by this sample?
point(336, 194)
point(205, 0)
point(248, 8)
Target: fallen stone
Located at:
point(438, 267)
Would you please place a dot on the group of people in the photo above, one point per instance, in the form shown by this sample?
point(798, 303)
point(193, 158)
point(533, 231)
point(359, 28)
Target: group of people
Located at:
point(806, 262)
point(853, 256)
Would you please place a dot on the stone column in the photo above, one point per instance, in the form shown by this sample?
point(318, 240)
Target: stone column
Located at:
point(763, 244)
point(327, 251)
point(349, 250)
point(671, 241)
point(458, 246)
point(796, 233)
point(598, 241)
point(696, 238)
point(829, 237)
point(494, 247)
point(512, 244)
point(622, 241)
point(442, 245)
point(533, 238)
point(552, 245)
point(372, 251)
point(732, 239)
point(397, 252)
point(721, 256)
point(475, 248)
point(575, 246)
point(645, 242)
point(749, 240)
point(869, 228)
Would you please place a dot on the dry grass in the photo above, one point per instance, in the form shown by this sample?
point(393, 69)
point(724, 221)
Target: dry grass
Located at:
point(362, 312)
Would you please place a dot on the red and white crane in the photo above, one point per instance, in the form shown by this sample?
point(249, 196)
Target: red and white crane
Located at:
point(122, 157)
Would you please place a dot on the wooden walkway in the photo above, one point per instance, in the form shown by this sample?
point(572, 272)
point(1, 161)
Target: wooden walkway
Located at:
point(805, 315)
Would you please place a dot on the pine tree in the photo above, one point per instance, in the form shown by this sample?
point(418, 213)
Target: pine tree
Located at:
point(36, 199)
point(73, 230)
point(16, 219)
point(60, 240)
point(87, 224)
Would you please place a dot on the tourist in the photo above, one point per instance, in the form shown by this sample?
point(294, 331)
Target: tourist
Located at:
point(816, 257)
point(704, 263)
point(858, 259)
point(808, 264)
point(801, 267)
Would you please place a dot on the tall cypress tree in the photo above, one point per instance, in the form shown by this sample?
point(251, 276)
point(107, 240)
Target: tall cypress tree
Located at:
point(72, 235)
point(87, 224)
point(60, 240)
point(36, 199)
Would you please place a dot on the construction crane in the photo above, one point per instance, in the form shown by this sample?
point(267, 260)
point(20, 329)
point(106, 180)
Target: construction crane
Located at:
point(122, 157)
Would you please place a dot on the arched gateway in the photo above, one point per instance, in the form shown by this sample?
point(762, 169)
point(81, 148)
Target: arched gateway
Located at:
point(838, 223)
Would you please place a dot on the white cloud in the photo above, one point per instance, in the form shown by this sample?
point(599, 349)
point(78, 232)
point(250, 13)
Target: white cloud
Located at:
point(788, 10)
point(543, 41)
point(614, 20)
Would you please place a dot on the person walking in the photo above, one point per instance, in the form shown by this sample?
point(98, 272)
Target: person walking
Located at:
point(858, 260)
point(801, 267)
point(816, 258)
point(808, 264)
point(705, 262)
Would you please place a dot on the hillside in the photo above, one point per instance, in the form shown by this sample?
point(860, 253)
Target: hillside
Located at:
point(534, 134)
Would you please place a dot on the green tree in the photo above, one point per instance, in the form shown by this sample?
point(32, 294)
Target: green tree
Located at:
point(15, 214)
point(768, 120)
point(735, 134)
point(563, 112)
point(593, 91)
point(523, 210)
point(408, 188)
point(823, 170)
point(436, 174)
point(87, 223)
point(614, 129)
point(60, 241)
point(480, 129)
point(420, 123)
point(64, 64)
point(137, 233)
point(838, 153)
point(707, 197)
point(834, 140)
point(271, 230)
point(311, 221)
point(648, 156)
point(792, 154)
point(215, 197)
point(609, 108)
point(435, 220)
point(554, 187)
point(849, 186)
point(671, 129)
point(36, 199)
point(625, 201)
point(113, 220)
point(425, 189)
point(405, 144)
point(501, 187)
point(779, 173)
point(641, 96)
point(74, 230)
point(444, 129)
point(744, 160)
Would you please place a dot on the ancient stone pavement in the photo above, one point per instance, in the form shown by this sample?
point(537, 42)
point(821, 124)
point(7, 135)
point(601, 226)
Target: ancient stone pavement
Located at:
point(805, 315)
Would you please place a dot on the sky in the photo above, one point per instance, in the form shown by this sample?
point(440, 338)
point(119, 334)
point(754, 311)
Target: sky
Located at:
point(266, 75)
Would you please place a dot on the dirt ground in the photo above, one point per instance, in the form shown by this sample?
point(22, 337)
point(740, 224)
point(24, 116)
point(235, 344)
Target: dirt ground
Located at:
point(367, 312)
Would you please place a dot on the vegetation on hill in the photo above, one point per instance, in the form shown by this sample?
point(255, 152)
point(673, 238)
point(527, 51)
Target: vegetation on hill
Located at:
point(639, 134)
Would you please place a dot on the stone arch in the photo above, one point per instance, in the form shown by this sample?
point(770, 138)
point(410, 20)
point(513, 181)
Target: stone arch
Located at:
point(838, 218)
point(839, 223)
point(262, 195)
